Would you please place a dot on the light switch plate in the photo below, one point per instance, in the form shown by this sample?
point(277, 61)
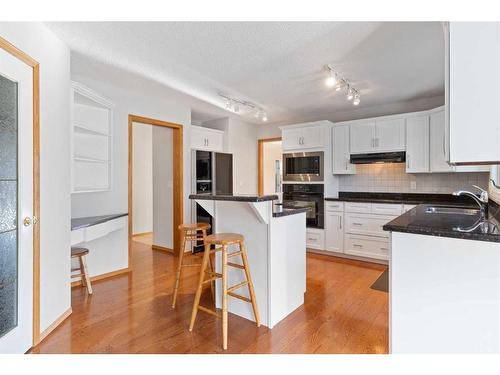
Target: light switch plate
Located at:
point(413, 185)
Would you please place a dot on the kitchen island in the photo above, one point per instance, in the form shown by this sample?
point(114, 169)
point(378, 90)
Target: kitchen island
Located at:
point(275, 238)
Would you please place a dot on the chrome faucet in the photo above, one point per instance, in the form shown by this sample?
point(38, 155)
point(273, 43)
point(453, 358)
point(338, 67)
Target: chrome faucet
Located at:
point(482, 200)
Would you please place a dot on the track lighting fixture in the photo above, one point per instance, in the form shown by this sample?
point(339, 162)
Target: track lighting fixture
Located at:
point(335, 80)
point(234, 105)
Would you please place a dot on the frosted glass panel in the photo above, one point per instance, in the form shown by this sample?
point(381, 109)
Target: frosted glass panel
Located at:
point(8, 205)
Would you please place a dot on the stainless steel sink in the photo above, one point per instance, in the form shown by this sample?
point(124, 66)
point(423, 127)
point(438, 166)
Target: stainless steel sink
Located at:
point(451, 210)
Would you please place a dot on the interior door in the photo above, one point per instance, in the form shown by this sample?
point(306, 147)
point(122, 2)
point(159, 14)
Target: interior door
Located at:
point(16, 205)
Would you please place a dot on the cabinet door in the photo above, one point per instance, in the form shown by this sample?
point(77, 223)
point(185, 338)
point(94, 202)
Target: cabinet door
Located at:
point(214, 141)
point(417, 144)
point(474, 78)
point(312, 137)
point(340, 151)
point(439, 152)
point(361, 137)
point(334, 233)
point(390, 135)
point(291, 139)
point(198, 138)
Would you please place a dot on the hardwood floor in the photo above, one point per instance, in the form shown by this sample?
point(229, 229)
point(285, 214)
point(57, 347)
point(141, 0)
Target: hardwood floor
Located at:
point(131, 313)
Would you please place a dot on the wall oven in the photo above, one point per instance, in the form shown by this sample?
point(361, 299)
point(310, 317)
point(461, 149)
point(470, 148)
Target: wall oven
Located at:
point(309, 196)
point(303, 166)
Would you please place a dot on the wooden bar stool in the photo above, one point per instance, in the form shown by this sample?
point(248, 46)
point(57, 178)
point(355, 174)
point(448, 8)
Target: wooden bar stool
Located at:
point(222, 241)
point(80, 253)
point(189, 232)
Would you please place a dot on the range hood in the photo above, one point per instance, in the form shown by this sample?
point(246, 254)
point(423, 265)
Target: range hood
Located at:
point(379, 157)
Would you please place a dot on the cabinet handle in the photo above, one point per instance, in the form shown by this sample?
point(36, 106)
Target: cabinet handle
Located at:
point(384, 248)
point(311, 239)
point(373, 142)
point(356, 245)
point(444, 147)
point(358, 224)
point(408, 161)
point(340, 222)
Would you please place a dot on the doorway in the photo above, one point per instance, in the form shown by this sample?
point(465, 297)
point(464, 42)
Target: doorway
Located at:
point(19, 200)
point(270, 166)
point(170, 146)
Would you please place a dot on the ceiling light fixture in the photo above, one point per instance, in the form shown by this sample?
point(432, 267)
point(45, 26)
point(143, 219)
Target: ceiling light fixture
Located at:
point(234, 105)
point(335, 80)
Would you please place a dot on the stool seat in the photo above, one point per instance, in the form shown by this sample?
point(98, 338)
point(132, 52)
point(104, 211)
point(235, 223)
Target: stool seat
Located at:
point(194, 226)
point(78, 252)
point(225, 238)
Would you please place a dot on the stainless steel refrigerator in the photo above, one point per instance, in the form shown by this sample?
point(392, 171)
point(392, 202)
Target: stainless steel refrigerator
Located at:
point(212, 174)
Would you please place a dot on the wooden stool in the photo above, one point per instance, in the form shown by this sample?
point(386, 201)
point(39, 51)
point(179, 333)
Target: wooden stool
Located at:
point(189, 233)
point(223, 240)
point(80, 253)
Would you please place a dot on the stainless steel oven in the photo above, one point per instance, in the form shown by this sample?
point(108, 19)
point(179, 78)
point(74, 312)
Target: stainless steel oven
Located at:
point(309, 196)
point(303, 166)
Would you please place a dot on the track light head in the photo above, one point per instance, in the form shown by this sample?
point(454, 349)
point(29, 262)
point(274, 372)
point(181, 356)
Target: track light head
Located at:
point(356, 100)
point(350, 94)
point(264, 117)
point(331, 80)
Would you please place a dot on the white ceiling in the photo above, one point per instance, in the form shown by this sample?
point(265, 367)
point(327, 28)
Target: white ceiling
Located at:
point(277, 65)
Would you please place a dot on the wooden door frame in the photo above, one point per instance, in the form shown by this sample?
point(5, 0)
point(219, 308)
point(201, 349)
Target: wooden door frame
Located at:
point(28, 60)
point(178, 176)
point(260, 162)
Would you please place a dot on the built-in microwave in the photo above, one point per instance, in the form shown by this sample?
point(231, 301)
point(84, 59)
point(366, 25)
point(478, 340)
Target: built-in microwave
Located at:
point(303, 166)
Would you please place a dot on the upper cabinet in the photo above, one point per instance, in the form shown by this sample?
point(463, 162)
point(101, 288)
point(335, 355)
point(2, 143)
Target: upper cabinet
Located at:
point(439, 151)
point(303, 137)
point(207, 139)
point(471, 91)
point(91, 141)
point(340, 151)
point(381, 135)
point(417, 144)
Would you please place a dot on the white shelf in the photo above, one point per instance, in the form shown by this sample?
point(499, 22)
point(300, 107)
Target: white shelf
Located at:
point(91, 141)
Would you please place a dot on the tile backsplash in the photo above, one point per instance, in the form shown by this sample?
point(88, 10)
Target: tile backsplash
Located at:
point(393, 178)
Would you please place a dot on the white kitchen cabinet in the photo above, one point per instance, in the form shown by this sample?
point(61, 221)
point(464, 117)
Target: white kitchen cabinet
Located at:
point(417, 144)
point(315, 238)
point(334, 231)
point(298, 138)
point(471, 92)
point(386, 135)
point(367, 224)
point(340, 151)
point(439, 149)
point(368, 247)
point(362, 136)
point(207, 139)
point(390, 135)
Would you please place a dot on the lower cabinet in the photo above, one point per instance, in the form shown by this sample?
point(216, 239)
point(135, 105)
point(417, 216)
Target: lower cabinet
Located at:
point(367, 246)
point(315, 239)
point(334, 233)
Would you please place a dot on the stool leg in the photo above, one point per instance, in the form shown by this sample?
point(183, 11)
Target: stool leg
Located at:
point(212, 268)
point(224, 297)
point(250, 283)
point(179, 268)
point(86, 274)
point(196, 303)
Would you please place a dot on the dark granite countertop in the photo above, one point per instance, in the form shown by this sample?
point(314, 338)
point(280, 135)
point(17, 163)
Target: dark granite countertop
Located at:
point(84, 222)
point(280, 211)
point(469, 227)
point(235, 197)
point(404, 198)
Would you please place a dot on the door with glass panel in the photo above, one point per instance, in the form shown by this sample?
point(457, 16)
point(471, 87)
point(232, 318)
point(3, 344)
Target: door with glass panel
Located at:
point(16, 205)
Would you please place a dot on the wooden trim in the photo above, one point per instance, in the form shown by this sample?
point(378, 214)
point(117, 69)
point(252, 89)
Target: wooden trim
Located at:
point(28, 60)
point(260, 161)
point(55, 324)
point(141, 234)
point(178, 176)
point(103, 276)
point(162, 248)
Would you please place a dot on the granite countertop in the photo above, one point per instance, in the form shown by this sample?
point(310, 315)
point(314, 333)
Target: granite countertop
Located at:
point(469, 227)
point(84, 222)
point(280, 211)
point(404, 198)
point(235, 197)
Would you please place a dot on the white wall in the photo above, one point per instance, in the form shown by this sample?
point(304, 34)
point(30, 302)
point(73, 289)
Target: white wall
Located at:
point(271, 152)
point(142, 169)
point(163, 187)
point(41, 44)
point(242, 143)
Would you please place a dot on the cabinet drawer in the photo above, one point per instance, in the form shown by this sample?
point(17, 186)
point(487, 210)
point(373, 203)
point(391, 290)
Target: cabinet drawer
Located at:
point(358, 207)
point(387, 209)
point(366, 224)
point(315, 239)
point(367, 247)
point(334, 206)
